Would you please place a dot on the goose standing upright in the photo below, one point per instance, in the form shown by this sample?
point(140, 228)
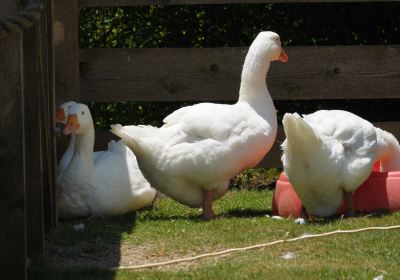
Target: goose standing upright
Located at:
point(192, 157)
point(111, 185)
point(328, 154)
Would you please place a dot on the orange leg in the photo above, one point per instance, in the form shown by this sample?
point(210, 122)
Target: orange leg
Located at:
point(208, 213)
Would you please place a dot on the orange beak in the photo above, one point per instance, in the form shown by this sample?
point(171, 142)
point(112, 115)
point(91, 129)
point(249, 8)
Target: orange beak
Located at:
point(72, 125)
point(60, 116)
point(283, 57)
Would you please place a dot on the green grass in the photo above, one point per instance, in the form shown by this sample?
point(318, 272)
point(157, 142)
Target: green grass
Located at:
point(170, 230)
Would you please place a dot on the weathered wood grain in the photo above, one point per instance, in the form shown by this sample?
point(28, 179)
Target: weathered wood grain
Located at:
point(65, 34)
point(33, 87)
point(51, 93)
point(108, 3)
point(12, 153)
point(47, 118)
point(171, 74)
point(273, 158)
point(66, 59)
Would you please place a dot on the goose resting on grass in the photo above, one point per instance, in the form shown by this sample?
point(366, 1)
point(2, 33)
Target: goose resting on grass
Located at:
point(61, 117)
point(327, 155)
point(111, 185)
point(192, 157)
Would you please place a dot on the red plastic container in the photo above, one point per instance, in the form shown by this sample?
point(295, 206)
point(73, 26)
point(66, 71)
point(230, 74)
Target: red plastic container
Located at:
point(381, 191)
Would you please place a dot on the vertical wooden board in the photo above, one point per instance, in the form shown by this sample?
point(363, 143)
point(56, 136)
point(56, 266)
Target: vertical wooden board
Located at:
point(47, 120)
point(66, 56)
point(66, 44)
point(33, 159)
point(46, 181)
point(12, 191)
point(52, 100)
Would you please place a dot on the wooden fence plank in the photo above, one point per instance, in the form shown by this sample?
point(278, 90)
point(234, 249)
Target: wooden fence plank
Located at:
point(109, 3)
point(65, 31)
point(33, 81)
point(51, 97)
point(66, 58)
point(171, 74)
point(273, 158)
point(12, 156)
point(47, 119)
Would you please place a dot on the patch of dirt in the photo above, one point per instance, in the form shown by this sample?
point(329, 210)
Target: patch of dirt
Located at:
point(112, 255)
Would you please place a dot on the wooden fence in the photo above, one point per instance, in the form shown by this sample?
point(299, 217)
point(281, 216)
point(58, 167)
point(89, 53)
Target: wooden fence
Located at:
point(213, 74)
point(40, 68)
point(27, 193)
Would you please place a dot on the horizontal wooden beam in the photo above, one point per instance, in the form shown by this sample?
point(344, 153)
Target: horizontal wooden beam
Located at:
point(189, 74)
point(110, 3)
point(273, 158)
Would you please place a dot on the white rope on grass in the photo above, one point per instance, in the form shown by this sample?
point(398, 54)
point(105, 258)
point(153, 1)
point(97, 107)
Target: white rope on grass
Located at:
point(257, 246)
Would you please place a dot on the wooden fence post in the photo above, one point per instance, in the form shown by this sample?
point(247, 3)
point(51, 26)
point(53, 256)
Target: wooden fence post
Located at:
point(66, 50)
point(12, 175)
point(51, 95)
point(33, 90)
point(47, 117)
point(66, 59)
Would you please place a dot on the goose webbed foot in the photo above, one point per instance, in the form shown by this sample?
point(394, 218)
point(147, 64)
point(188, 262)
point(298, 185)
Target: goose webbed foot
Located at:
point(304, 219)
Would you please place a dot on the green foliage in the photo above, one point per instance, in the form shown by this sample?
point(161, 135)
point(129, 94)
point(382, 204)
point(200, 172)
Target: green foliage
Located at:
point(237, 25)
point(150, 113)
point(256, 178)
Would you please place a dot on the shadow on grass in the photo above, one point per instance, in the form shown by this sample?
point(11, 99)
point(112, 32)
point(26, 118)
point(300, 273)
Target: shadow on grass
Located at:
point(84, 248)
point(246, 213)
point(194, 218)
point(233, 213)
point(71, 273)
point(328, 220)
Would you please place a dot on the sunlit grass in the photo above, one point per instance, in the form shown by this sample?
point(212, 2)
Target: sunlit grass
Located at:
point(170, 230)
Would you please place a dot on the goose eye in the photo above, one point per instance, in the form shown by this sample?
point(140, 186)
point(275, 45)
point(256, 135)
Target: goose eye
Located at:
point(82, 112)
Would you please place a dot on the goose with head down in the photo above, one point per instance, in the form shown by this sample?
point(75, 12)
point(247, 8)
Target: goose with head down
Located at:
point(328, 154)
point(111, 185)
point(192, 157)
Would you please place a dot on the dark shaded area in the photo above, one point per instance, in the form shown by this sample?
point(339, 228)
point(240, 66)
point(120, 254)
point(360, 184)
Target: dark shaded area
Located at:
point(95, 246)
point(374, 110)
point(52, 273)
point(246, 213)
point(237, 24)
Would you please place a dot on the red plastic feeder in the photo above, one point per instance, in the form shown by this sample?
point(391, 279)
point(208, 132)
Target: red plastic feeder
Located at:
point(381, 191)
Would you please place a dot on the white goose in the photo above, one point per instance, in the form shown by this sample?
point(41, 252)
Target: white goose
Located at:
point(111, 185)
point(61, 117)
point(192, 157)
point(327, 155)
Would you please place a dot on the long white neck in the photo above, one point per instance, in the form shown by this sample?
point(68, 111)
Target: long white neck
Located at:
point(388, 151)
point(253, 86)
point(67, 156)
point(83, 150)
